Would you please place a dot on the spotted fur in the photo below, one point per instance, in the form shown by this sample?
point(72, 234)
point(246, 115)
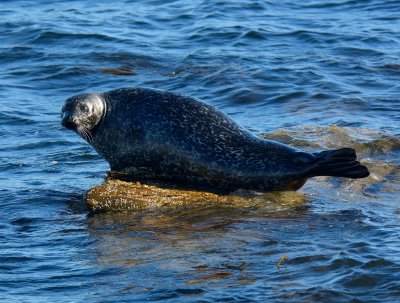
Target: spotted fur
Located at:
point(178, 140)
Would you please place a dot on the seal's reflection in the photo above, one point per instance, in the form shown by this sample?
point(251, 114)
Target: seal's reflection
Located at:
point(186, 249)
point(177, 234)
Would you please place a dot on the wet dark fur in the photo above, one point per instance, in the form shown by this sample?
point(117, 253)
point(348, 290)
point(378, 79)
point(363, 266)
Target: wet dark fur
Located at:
point(164, 137)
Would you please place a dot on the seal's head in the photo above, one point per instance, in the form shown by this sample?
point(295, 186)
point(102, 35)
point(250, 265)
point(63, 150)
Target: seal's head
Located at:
point(82, 113)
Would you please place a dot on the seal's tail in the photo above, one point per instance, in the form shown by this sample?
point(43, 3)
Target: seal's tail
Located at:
point(339, 163)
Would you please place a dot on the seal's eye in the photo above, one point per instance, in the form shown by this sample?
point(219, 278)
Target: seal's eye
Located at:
point(84, 108)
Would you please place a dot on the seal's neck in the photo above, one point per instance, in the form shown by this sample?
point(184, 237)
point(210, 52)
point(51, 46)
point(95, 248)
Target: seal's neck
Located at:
point(103, 110)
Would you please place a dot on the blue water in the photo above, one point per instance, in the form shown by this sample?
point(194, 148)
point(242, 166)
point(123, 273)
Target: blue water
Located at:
point(301, 66)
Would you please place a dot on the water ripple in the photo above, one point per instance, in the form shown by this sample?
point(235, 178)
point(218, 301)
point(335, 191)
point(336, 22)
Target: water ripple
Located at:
point(311, 68)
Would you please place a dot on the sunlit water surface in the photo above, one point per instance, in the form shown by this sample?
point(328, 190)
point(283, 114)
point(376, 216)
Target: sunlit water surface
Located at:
point(327, 73)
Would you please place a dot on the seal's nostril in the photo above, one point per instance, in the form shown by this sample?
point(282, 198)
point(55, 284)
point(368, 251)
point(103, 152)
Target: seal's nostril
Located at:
point(69, 123)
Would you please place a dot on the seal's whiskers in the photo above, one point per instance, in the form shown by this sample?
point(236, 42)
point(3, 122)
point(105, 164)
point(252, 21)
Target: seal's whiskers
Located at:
point(85, 133)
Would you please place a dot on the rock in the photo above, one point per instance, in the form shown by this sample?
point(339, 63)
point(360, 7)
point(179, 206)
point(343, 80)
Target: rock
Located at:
point(117, 195)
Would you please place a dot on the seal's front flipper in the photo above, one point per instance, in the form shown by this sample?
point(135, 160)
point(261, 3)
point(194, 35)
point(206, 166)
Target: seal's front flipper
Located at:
point(339, 163)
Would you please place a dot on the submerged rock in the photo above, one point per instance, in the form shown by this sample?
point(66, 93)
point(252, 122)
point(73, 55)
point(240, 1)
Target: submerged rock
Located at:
point(316, 138)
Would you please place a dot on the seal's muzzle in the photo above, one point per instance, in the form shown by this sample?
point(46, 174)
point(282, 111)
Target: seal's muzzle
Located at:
point(69, 122)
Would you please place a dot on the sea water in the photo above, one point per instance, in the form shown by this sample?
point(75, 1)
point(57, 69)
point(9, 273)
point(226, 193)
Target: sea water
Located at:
point(313, 74)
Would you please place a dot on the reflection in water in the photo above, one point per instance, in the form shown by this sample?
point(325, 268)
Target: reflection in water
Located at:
point(201, 246)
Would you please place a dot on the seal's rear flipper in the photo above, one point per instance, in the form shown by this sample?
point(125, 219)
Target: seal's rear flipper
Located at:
point(339, 163)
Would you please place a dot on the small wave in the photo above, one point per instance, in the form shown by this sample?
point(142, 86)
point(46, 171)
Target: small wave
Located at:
point(42, 145)
point(391, 67)
point(52, 36)
point(131, 59)
point(377, 263)
point(333, 4)
point(289, 96)
point(322, 96)
point(308, 36)
point(245, 96)
point(15, 119)
point(357, 52)
point(165, 294)
point(60, 72)
point(361, 280)
point(214, 34)
point(253, 34)
point(121, 71)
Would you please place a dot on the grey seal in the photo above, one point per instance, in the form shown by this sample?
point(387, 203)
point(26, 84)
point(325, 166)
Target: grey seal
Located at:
point(157, 136)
